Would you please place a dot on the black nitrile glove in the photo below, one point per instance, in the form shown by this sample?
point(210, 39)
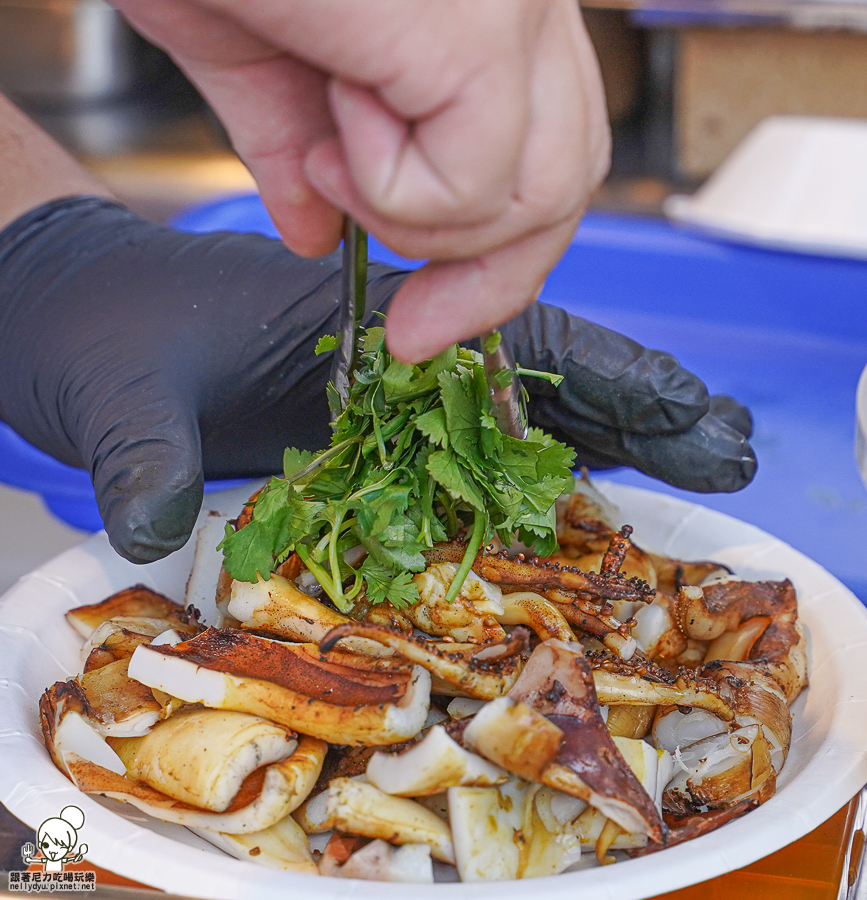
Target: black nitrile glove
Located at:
point(156, 359)
point(620, 404)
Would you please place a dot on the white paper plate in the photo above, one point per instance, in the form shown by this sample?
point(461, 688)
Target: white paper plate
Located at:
point(827, 764)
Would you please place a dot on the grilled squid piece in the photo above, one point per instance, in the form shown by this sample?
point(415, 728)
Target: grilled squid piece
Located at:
point(779, 650)
point(351, 856)
point(757, 699)
point(591, 621)
point(264, 798)
point(699, 713)
point(266, 795)
point(471, 616)
point(515, 736)
point(117, 638)
point(282, 845)
point(656, 630)
point(70, 732)
point(207, 573)
point(533, 610)
point(202, 756)
point(687, 828)
point(584, 599)
point(344, 761)
point(754, 698)
point(431, 766)
point(541, 576)
point(653, 769)
point(499, 834)
point(344, 698)
point(630, 721)
point(135, 602)
point(686, 689)
point(585, 519)
point(621, 556)
point(557, 685)
point(121, 706)
point(360, 808)
point(722, 771)
point(280, 608)
point(672, 574)
point(483, 671)
point(723, 763)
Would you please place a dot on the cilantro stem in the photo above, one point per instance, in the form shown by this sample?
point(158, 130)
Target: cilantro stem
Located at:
point(473, 546)
point(427, 513)
point(535, 373)
point(451, 516)
point(334, 564)
point(323, 457)
point(324, 542)
point(380, 444)
point(318, 571)
point(320, 547)
point(354, 592)
point(388, 431)
point(385, 481)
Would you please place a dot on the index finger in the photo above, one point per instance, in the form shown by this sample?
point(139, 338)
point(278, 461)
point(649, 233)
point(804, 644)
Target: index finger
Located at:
point(445, 302)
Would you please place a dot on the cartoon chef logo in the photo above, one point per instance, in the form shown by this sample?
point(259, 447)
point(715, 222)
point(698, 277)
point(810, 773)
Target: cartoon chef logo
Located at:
point(56, 841)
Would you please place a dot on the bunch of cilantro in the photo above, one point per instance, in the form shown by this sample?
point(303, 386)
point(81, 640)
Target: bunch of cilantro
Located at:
point(416, 457)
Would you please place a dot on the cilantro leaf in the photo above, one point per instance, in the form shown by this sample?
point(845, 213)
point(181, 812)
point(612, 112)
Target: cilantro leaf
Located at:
point(492, 342)
point(504, 377)
point(296, 460)
point(247, 553)
point(433, 426)
point(462, 412)
point(384, 584)
point(445, 467)
point(326, 344)
point(373, 340)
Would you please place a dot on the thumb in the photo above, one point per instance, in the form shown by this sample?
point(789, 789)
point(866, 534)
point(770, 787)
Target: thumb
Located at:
point(147, 473)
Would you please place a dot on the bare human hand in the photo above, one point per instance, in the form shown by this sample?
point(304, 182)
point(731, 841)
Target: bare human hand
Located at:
point(468, 132)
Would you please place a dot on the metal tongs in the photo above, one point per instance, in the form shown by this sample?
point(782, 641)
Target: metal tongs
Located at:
point(507, 394)
point(353, 299)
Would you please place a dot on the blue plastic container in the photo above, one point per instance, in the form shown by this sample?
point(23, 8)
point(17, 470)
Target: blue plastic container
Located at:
point(67, 492)
point(784, 333)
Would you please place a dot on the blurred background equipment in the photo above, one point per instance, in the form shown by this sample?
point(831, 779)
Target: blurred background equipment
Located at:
point(116, 102)
point(70, 52)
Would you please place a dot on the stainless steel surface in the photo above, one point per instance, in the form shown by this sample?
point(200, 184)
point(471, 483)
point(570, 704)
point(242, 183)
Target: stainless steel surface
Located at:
point(55, 51)
point(510, 407)
point(853, 884)
point(352, 303)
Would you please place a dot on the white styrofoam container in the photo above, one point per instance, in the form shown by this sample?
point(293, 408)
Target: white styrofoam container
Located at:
point(794, 183)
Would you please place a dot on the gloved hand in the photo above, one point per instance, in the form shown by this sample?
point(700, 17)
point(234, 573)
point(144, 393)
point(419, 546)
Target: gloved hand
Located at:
point(155, 359)
point(620, 404)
